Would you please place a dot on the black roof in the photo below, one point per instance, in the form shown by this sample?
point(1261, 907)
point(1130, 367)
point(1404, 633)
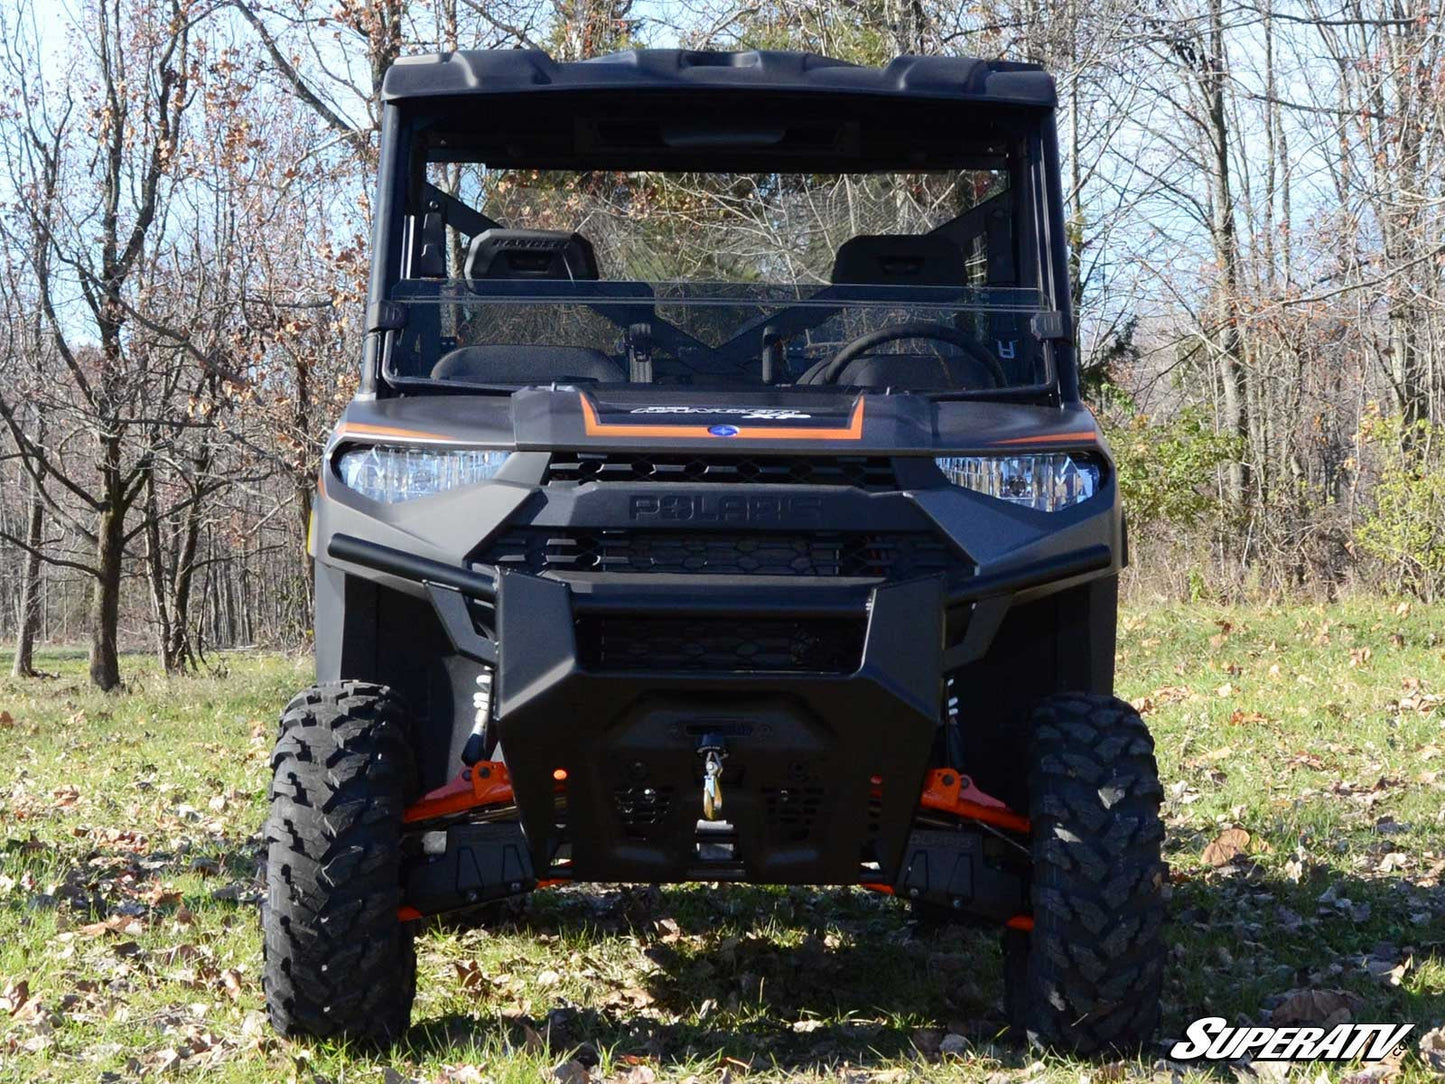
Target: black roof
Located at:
point(514, 71)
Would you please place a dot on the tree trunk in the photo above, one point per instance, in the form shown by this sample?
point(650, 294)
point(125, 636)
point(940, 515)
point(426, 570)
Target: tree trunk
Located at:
point(181, 652)
point(1226, 253)
point(105, 600)
point(24, 665)
point(156, 573)
point(308, 565)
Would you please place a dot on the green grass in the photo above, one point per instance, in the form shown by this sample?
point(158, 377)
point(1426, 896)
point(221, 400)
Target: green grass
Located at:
point(129, 882)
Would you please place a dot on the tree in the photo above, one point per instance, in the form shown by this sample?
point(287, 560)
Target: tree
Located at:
point(113, 147)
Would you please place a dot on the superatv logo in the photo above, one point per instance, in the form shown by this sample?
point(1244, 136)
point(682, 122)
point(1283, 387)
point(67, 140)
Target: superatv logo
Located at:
point(766, 414)
point(1214, 1039)
point(713, 508)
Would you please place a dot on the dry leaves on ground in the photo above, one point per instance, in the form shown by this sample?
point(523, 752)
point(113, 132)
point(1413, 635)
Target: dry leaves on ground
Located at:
point(1227, 846)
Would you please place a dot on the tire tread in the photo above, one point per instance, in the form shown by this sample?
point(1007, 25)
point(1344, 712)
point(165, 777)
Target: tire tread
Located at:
point(337, 962)
point(1088, 978)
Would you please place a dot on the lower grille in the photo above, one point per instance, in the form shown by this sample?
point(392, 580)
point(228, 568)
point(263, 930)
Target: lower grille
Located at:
point(640, 808)
point(720, 645)
point(865, 554)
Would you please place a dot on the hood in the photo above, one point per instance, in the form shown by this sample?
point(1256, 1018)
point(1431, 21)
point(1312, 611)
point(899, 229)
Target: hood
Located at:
point(783, 420)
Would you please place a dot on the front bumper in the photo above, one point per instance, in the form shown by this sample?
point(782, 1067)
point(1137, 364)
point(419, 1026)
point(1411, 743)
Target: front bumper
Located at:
point(823, 769)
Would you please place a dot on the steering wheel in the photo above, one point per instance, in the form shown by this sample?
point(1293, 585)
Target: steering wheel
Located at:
point(920, 329)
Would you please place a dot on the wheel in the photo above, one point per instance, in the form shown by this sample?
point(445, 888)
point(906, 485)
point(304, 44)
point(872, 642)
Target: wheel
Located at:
point(338, 963)
point(1088, 977)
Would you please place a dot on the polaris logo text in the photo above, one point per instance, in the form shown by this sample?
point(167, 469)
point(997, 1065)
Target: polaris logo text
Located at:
point(708, 508)
point(1215, 1039)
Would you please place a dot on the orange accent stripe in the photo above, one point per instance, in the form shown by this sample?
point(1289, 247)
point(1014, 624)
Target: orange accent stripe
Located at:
point(365, 429)
point(595, 428)
point(1021, 922)
point(1051, 438)
point(873, 886)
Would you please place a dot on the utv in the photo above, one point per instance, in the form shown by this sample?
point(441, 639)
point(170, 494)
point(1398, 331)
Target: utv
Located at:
point(717, 505)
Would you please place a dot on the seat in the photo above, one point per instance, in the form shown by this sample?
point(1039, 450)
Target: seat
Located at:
point(924, 259)
point(520, 364)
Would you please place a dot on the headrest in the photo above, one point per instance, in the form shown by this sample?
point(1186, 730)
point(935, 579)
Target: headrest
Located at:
point(530, 254)
point(899, 260)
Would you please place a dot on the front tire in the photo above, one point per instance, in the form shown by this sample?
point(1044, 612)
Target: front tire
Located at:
point(1088, 977)
point(338, 963)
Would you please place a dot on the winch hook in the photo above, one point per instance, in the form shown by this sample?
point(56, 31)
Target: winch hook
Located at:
point(713, 753)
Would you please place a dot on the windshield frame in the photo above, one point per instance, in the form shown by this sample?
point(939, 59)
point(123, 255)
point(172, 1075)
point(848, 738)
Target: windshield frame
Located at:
point(1033, 158)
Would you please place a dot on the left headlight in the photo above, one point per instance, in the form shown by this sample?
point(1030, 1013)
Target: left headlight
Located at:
point(1045, 482)
point(389, 473)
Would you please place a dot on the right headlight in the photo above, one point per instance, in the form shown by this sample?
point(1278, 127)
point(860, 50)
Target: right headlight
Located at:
point(1046, 482)
point(390, 473)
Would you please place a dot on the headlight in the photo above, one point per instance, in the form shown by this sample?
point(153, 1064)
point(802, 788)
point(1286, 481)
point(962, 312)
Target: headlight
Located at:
point(388, 473)
point(1045, 482)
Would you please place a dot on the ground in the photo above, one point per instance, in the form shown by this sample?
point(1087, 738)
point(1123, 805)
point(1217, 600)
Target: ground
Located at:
point(1301, 752)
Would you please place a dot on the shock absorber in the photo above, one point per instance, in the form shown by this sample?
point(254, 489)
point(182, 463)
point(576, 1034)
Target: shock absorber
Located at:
point(478, 746)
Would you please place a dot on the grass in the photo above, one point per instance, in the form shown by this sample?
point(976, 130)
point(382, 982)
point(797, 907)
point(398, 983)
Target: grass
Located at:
point(1302, 755)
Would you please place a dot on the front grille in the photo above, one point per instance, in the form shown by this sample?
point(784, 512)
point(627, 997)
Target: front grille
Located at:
point(640, 808)
point(864, 472)
point(721, 644)
point(866, 554)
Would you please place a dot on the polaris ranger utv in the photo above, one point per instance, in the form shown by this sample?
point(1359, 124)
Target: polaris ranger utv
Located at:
point(717, 505)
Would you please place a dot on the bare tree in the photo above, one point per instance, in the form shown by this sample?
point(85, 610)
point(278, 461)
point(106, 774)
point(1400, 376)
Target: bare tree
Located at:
point(94, 245)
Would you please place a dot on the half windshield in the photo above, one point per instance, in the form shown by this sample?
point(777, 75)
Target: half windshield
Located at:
point(904, 281)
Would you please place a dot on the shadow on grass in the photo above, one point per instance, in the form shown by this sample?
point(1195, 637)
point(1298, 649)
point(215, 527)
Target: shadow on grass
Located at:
point(795, 978)
point(807, 979)
point(81, 876)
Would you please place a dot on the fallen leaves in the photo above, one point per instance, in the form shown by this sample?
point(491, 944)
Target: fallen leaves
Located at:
point(121, 925)
point(572, 1071)
point(1316, 1008)
point(1432, 1049)
point(14, 997)
point(1240, 717)
point(232, 984)
point(1162, 697)
point(1226, 847)
point(1386, 966)
point(473, 979)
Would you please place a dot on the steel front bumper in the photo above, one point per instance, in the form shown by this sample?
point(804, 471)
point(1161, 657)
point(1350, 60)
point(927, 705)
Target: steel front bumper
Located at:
point(822, 770)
